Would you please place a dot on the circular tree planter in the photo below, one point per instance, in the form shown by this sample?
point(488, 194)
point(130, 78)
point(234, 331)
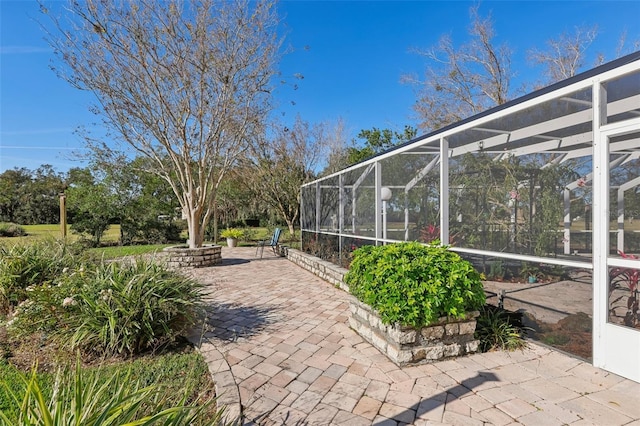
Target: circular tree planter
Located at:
point(185, 257)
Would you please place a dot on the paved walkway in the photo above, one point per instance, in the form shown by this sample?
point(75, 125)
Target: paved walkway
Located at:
point(278, 343)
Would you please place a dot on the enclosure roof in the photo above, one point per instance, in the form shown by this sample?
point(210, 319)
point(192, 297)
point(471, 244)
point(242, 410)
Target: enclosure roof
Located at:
point(633, 57)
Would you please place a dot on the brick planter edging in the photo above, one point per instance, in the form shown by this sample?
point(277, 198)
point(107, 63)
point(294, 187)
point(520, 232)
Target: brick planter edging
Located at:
point(446, 338)
point(184, 257)
point(443, 339)
point(326, 270)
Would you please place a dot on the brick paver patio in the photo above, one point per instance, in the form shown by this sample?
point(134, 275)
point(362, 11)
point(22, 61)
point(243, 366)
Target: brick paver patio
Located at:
point(281, 351)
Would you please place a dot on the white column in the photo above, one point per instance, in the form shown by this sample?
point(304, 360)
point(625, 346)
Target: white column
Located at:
point(620, 233)
point(444, 191)
point(600, 235)
point(567, 220)
point(378, 206)
point(406, 215)
point(318, 206)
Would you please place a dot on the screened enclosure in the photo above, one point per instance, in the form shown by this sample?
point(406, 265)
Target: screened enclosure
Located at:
point(542, 194)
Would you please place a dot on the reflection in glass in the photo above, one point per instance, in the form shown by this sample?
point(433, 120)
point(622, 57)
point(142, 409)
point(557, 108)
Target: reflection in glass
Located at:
point(624, 194)
point(624, 295)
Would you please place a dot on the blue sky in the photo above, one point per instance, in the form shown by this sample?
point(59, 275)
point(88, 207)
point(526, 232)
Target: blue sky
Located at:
point(351, 54)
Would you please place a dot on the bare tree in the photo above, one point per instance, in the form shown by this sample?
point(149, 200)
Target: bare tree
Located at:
point(186, 84)
point(565, 55)
point(284, 161)
point(336, 147)
point(461, 82)
point(625, 47)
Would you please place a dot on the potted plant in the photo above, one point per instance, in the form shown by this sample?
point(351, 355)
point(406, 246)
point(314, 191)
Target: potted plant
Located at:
point(416, 303)
point(530, 273)
point(232, 235)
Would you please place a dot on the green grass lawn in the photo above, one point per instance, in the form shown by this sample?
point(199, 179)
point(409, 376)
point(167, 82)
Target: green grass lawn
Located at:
point(112, 235)
point(37, 232)
point(113, 252)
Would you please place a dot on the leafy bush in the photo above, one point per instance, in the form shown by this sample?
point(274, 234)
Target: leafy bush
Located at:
point(148, 230)
point(23, 267)
point(232, 233)
point(413, 284)
point(499, 329)
point(11, 230)
point(89, 397)
point(112, 308)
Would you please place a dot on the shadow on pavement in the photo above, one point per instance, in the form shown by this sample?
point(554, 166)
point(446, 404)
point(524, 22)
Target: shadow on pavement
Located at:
point(419, 410)
point(233, 261)
point(230, 322)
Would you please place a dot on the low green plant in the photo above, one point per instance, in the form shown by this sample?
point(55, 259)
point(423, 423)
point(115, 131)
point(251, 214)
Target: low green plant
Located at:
point(8, 229)
point(496, 269)
point(88, 397)
point(131, 308)
point(22, 267)
point(114, 308)
point(236, 233)
point(414, 284)
point(528, 269)
point(499, 329)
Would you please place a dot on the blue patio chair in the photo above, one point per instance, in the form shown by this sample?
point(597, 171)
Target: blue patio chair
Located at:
point(272, 242)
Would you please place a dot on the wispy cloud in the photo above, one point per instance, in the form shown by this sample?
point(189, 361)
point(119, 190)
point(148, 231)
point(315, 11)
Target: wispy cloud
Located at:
point(37, 131)
point(19, 50)
point(41, 147)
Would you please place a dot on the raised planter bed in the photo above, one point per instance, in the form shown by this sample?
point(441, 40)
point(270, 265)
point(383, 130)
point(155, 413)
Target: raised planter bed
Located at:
point(321, 268)
point(184, 257)
point(446, 338)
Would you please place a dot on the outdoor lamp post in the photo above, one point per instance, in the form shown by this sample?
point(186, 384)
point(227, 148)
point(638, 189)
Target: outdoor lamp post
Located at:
point(385, 195)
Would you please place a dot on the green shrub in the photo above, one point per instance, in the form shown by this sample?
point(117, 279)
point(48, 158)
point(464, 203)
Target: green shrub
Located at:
point(132, 308)
point(236, 233)
point(8, 229)
point(91, 398)
point(112, 308)
point(22, 267)
point(249, 234)
point(499, 329)
point(413, 284)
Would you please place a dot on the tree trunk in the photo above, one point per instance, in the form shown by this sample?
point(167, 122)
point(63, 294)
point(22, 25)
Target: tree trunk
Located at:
point(291, 226)
point(196, 230)
point(215, 224)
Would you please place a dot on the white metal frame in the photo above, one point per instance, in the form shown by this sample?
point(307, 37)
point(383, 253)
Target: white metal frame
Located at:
point(615, 348)
point(592, 145)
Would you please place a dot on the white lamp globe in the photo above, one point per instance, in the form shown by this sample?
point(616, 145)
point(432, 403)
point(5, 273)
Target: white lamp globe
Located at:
point(385, 193)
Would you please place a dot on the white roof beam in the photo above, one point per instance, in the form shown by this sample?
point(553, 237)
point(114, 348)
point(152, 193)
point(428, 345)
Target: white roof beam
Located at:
point(422, 173)
point(589, 177)
point(363, 176)
point(480, 145)
point(630, 184)
point(539, 129)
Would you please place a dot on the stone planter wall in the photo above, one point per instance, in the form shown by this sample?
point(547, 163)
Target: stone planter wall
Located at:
point(323, 269)
point(182, 257)
point(402, 345)
point(408, 345)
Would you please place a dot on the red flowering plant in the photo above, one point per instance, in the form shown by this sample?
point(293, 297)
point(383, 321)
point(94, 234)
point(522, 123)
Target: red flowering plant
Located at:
point(629, 277)
point(429, 233)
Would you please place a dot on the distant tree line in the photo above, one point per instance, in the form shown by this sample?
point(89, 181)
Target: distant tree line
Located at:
point(140, 203)
point(31, 196)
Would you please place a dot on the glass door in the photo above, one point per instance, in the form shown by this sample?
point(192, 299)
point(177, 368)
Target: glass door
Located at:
point(617, 336)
